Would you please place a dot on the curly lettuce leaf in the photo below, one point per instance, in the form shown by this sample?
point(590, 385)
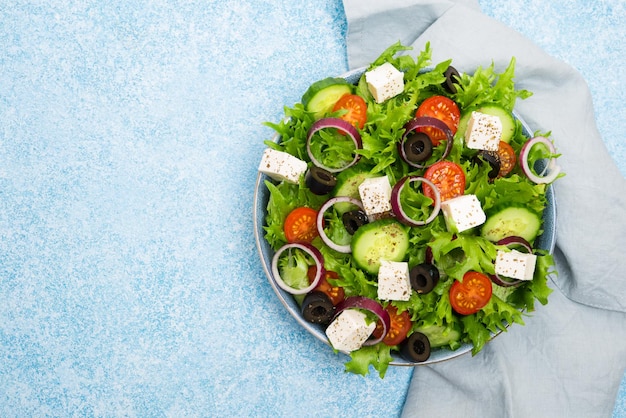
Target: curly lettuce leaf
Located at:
point(458, 254)
point(525, 296)
point(514, 190)
point(378, 356)
point(293, 266)
point(332, 148)
point(285, 197)
point(477, 332)
point(486, 86)
point(292, 130)
point(498, 314)
point(391, 55)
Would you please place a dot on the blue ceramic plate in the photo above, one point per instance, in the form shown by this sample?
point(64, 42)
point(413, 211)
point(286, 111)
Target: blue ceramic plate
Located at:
point(261, 196)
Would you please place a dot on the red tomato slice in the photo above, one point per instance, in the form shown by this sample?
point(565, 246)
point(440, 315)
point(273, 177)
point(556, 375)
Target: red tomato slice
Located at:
point(335, 293)
point(400, 326)
point(300, 225)
point(356, 109)
point(449, 179)
point(507, 158)
point(472, 294)
point(444, 109)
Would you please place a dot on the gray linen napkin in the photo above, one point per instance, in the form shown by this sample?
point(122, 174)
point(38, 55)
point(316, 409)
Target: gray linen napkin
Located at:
point(569, 358)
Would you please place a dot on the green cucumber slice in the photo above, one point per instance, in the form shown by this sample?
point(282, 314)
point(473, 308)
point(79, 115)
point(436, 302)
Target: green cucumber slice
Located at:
point(348, 182)
point(440, 336)
point(322, 95)
point(512, 221)
point(506, 118)
point(385, 239)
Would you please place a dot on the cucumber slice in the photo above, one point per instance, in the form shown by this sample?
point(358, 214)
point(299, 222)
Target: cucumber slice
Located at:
point(506, 118)
point(512, 221)
point(322, 95)
point(385, 239)
point(348, 182)
point(440, 336)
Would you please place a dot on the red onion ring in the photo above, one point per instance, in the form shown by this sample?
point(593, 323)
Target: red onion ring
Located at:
point(552, 168)
point(425, 122)
point(345, 249)
point(397, 206)
point(362, 302)
point(343, 126)
point(319, 264)
point(515, 240)
point(510, 241)
point(428, 256)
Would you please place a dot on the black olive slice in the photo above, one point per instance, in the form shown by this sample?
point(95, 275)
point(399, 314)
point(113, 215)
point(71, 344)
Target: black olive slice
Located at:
point(424, 277)
point(418, 147)
point(320, 181)
point(353, 220)
point(415, 348)
point(452, 78)
point(493, 159)
point(317, 308)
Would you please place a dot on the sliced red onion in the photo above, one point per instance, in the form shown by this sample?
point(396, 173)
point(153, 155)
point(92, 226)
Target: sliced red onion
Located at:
point(362, 302)
point(425, 122)
point(551, 171)
point(510, 241)
point(343, 126)
point(318, 258)
point(397, 206)
point(320, 222)
point(515, 240)
point(428, 257)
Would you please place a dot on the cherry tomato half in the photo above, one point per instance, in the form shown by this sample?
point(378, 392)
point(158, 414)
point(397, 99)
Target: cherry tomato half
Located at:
point(300, 225)
point(472, 294)
point(448, 177)
point(507, 159)
point(335, 293)
point(356, 109)
point(400, 326)
point(442, 108)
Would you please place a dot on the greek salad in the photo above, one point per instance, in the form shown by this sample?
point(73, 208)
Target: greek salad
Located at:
point(404, 209)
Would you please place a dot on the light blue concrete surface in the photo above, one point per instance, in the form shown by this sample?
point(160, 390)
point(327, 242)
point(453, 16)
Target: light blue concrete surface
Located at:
point(130, 134)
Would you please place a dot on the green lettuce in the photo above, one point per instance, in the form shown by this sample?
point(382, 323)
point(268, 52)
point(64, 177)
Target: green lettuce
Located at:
point(487, 86)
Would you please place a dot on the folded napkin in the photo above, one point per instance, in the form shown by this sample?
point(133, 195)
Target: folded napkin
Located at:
point(569, 358)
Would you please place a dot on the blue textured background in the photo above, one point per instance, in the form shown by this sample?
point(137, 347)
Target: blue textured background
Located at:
point(130, 134)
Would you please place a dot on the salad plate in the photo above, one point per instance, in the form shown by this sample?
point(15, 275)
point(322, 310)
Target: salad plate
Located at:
point(545, 241)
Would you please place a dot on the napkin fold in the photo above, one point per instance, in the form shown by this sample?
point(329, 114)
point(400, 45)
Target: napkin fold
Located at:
point(569, 358)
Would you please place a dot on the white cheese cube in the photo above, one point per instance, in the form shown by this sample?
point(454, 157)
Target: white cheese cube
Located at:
point(483, 132)
point(349, 330)
point(282, 166)
point(515, 264)
point(462, 213)
point(385, 82)
point(375, 193)
point(394, 282)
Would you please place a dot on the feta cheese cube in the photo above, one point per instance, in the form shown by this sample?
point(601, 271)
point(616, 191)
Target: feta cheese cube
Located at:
point(349, 330)
point(394, 282)
point(483, 132)
point(385, 82)
point(462, 213)
point(282, 166)
point(515, 264)
point(375, 193)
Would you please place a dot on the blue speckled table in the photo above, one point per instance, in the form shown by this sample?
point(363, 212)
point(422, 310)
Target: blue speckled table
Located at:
point(130, 134)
